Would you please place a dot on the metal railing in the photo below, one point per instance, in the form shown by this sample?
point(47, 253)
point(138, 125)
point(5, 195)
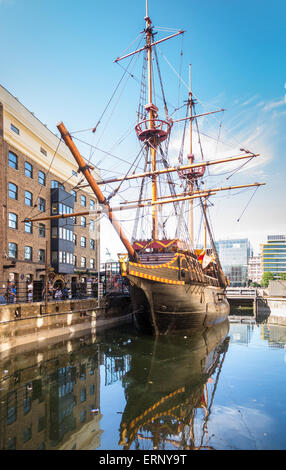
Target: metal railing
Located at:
point(35, 291)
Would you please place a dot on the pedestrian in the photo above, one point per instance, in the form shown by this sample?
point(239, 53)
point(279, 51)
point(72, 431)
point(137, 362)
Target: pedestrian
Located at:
point(30, 295)
point(11, 293)
point(58, 293)
point(65, 293)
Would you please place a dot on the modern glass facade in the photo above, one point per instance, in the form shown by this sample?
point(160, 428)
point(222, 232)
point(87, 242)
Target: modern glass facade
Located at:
point(273, 255)
point(62, 232)
point(233, 255)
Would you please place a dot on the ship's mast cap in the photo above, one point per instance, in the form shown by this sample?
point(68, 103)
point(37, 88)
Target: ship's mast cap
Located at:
point(151, 107)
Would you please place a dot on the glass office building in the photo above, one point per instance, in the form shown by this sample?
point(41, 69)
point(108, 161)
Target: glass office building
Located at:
point(273, 255)
point(234, 255)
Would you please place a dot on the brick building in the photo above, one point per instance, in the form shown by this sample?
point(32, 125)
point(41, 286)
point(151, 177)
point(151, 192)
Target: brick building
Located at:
point(39, 176)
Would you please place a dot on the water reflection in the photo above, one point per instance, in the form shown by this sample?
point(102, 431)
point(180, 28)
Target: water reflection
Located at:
point(170, 379)
point(50, 397)
point(121, 390)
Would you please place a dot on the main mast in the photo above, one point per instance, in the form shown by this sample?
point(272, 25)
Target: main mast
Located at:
point(151, 110)
point(191, 159)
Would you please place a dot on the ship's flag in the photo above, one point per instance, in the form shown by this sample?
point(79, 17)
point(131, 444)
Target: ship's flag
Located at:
point(201, 256)
point(206, 261)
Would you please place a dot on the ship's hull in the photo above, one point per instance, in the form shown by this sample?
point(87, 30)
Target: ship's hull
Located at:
point(172, 292)
point(165, 309)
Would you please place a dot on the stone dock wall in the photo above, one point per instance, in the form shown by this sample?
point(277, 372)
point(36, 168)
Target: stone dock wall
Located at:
point(277, 310)
point(22, 324)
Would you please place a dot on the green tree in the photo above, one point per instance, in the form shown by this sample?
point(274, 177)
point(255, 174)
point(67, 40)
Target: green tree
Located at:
point(283, 276)
point(267, 276)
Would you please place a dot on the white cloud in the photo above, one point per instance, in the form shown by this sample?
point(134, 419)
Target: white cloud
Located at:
point(274, 104)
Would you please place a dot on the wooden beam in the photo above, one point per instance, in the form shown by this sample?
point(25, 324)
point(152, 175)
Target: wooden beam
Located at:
point(178, 168)
point(148, 46)
point(188, 193)
point(118, 208)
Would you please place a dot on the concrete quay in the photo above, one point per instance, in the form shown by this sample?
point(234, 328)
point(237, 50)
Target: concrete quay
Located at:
point(266, 307)
point(26, 323)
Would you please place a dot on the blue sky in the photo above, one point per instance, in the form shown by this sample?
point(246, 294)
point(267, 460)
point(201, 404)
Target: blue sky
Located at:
point(57, 58)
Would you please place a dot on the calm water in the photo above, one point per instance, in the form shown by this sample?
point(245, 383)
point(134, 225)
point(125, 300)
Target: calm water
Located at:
point(219, 389)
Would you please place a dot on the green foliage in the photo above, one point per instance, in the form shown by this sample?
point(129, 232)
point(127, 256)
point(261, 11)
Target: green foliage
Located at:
point(267, 276)
point(254, 284)
point(283, 276)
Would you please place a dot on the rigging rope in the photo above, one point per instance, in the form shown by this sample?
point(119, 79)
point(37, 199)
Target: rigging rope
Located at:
point(161, 84)
point(238, 220)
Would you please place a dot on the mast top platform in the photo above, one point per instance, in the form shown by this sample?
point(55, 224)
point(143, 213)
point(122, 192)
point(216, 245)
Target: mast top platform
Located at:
point(151, 129)
point(192, 173)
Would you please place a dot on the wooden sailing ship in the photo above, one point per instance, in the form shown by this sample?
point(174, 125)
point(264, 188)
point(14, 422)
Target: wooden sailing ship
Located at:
point(173, 285)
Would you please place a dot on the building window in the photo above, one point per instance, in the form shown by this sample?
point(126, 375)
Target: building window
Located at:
point(28, 198)
point(65, 234)
point(92, 226)
point(73, 192)
point(11, 445)
point(15, 129)
point(91, 205)
point(42, 204)
point(74, 238)
point(28, 227)
point(28, 170)
point(11, 407)
point(83, 221)
point(27, 433)
point(42, 230)
point(13, 191)
point(82, 200)
point(83, 242)
point(54, 232)
point(83, 262)
point(13, 220)
point(28, 253)
point(12, 250)
point(92, 244)
point(56, 184)
point(83, 394)
point(13, 160)
point(92, 263)
point(42, 178)
point(74, 173)
point(41, 256)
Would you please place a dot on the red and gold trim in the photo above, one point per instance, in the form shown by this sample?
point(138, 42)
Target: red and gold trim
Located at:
point(155, 278)
point(156, 266)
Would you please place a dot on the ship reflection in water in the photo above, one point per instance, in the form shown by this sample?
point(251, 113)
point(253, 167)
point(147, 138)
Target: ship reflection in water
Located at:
point(170, 380)
point(118, 389)
point(50, 395)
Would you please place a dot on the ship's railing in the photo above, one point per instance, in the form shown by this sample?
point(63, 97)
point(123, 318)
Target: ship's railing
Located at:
point(159, 258)
point(210, 280)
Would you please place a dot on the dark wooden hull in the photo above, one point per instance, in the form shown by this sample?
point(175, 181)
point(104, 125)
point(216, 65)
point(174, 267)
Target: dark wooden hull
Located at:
point(164, 309)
